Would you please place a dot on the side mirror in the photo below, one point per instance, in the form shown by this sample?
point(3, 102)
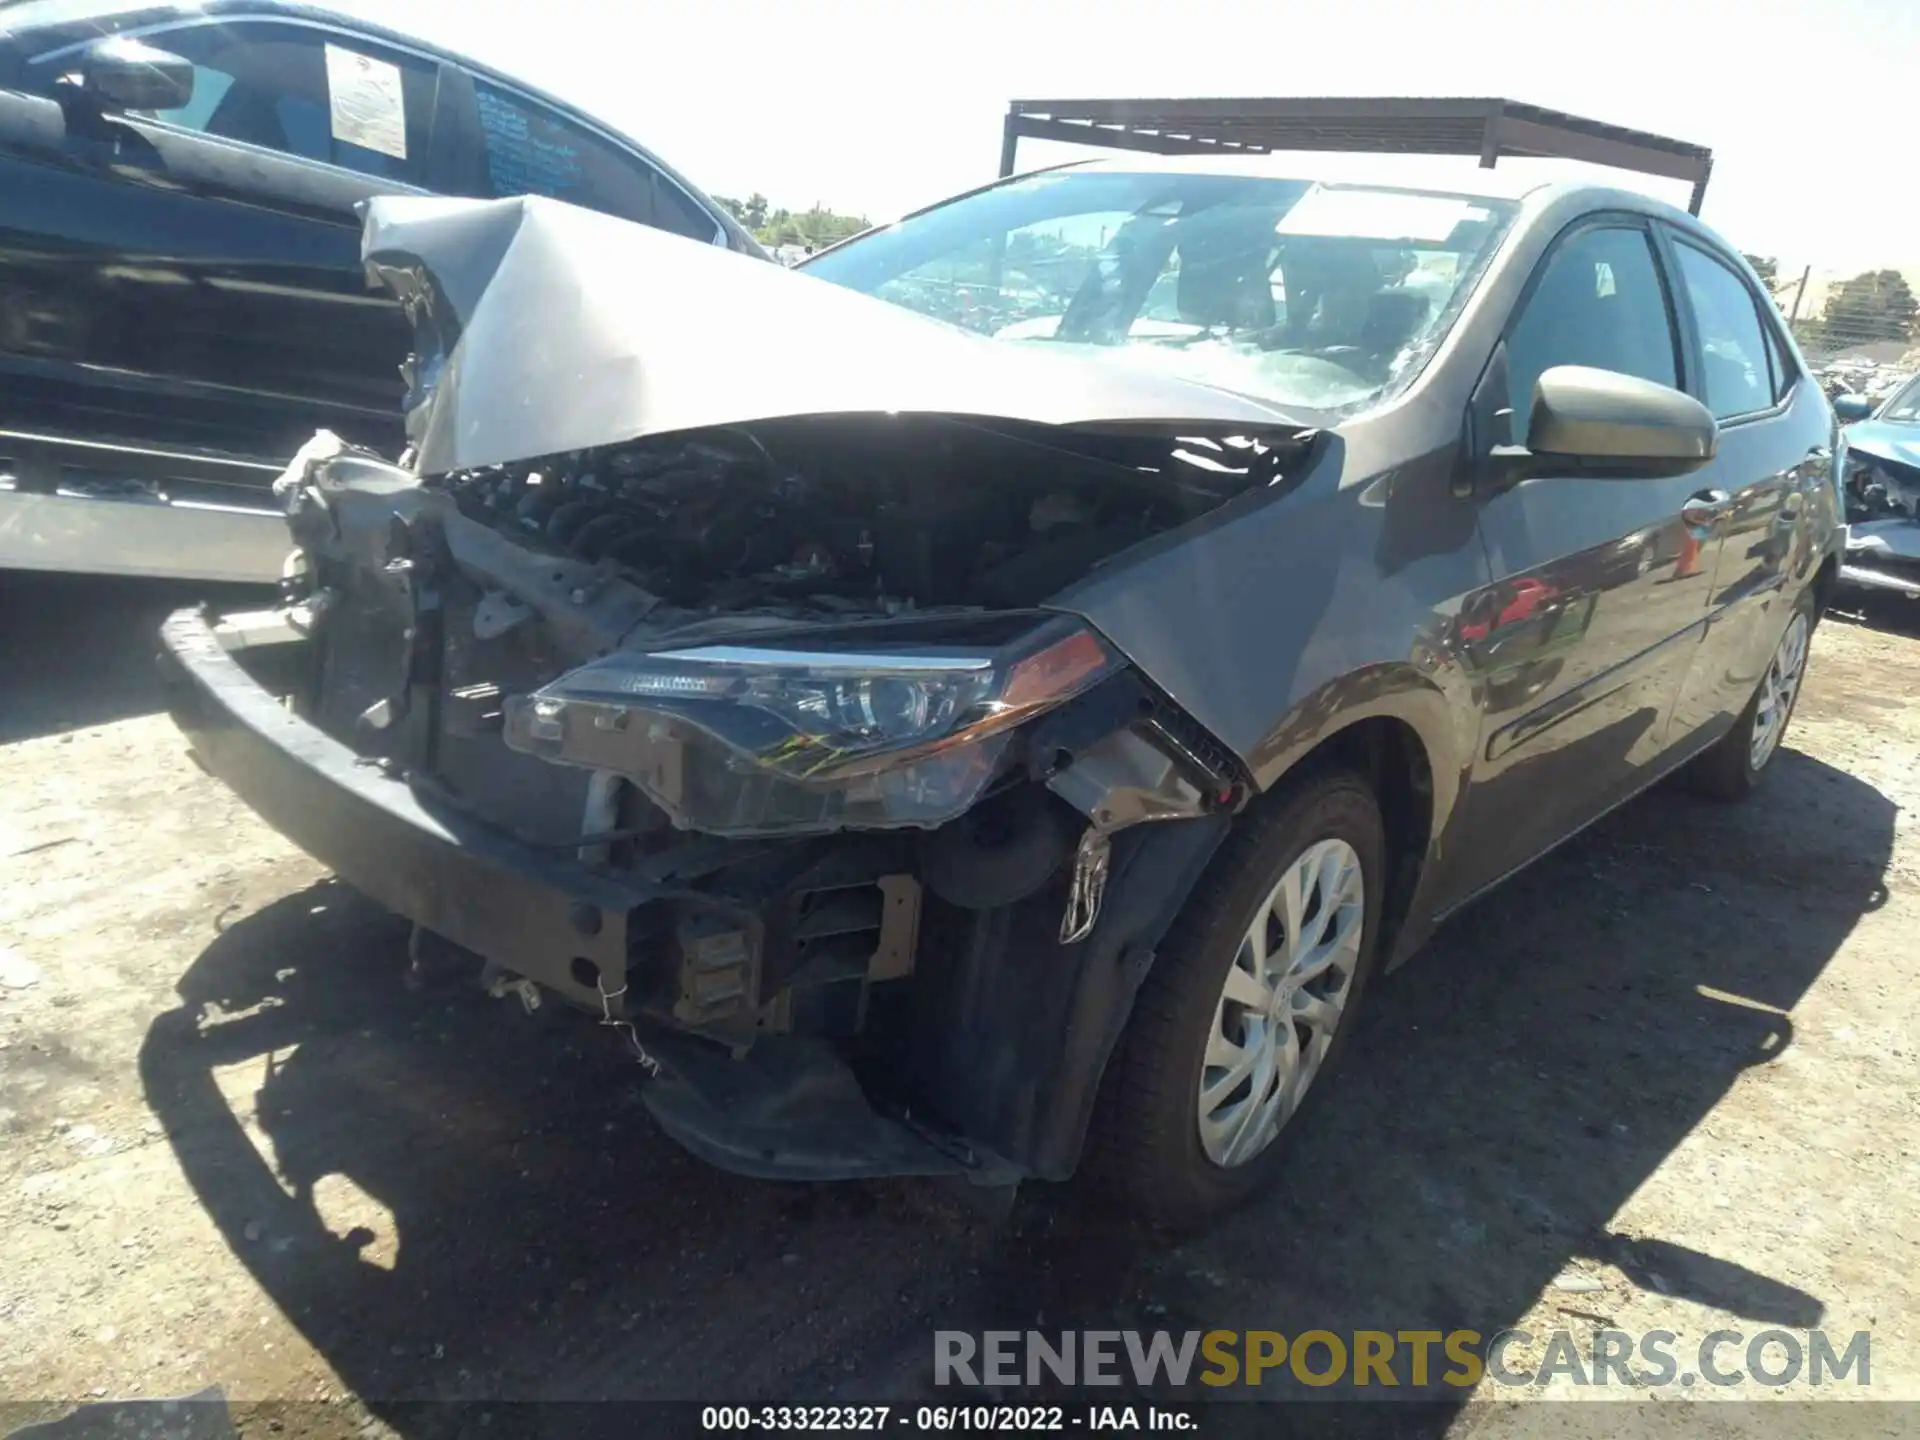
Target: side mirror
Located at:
point(1608, 425)
point(1852, 407)
point(122, 73)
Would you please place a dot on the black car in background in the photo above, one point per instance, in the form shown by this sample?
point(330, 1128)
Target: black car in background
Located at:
point(182, 300)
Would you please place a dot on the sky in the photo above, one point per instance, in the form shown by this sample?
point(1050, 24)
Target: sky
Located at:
point(876, 108)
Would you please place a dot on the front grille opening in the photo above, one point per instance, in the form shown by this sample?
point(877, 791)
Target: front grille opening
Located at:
point(836, 933)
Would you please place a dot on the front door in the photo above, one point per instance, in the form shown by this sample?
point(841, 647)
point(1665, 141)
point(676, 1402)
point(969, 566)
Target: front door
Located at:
point(1600, 587)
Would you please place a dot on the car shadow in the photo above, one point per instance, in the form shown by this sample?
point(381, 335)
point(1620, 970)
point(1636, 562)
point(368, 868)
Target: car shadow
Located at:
point(455, 1200)
point(79, 648)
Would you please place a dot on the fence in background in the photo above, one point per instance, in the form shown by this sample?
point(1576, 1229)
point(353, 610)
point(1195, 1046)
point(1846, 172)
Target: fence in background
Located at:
point(1860, 329)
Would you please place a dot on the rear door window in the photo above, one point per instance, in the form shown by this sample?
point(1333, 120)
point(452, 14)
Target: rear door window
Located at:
point(533, 150)
point(306, 92)
point(1599, 301)
point(1736, 371)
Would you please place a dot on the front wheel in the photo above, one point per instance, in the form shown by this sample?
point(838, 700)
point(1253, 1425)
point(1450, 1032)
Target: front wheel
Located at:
point(1247, 1006)
point(1732, 768)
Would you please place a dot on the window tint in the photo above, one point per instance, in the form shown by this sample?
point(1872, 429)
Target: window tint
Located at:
point(1734, 365)
point(1599, 302)
point(298, 91)
point(530, 150)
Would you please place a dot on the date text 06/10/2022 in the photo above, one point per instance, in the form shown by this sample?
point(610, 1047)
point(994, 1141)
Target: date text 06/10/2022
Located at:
point(988, 1419)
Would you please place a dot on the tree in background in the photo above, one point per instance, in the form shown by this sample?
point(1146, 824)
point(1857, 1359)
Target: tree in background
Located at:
point(750, 212)
point(816, 228)
point(1765, 266)
point(1873, 306)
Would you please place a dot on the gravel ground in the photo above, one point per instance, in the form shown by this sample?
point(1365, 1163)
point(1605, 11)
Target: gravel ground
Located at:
point(1665, 1079)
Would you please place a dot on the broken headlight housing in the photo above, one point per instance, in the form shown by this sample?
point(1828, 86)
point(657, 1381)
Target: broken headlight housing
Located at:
point(1874, 488)
point(770, 739)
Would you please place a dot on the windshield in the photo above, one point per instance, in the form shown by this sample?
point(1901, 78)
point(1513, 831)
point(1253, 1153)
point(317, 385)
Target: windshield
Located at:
point(1324, 297)
point(1905, 405)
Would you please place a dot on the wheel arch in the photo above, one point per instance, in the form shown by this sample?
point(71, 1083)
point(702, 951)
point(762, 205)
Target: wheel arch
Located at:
point(1391, 725)
point(1388, 753)
point(1412, 742)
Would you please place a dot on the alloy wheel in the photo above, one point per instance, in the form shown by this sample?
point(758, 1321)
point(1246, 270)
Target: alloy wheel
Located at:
point(1777, 691)
point(1281, 1002)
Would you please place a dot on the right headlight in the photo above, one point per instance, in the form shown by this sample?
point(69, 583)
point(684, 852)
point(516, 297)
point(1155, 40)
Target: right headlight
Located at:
point(770, 739)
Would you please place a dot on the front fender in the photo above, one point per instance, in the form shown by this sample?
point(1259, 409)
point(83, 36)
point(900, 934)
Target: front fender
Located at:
point(1431, 701)
point(1444, 725)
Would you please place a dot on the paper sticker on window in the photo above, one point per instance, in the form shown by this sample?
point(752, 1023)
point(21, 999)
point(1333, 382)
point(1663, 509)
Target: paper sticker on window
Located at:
point(1376, 215)
point(364, 97)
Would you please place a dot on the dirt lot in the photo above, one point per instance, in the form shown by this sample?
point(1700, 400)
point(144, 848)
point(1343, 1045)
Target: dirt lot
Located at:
point(1667, 1079)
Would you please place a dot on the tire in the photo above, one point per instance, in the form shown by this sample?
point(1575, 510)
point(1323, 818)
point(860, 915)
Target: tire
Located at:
point(1731, 769)
point(1147, 1151)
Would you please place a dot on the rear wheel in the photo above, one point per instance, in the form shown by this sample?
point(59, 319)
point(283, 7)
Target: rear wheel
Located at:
point(1732, 768)
point(1248, 1004)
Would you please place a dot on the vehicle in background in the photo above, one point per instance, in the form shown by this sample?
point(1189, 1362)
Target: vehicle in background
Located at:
point(182, 300)
point(1880, 487)
point(1014, 737)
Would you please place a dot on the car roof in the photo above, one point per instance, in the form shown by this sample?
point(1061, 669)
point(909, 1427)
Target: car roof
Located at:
point(1558, 200)
point(1331, 168)
point(1534, 196)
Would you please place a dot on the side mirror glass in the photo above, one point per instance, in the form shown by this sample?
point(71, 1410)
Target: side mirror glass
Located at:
point(1603, 423)
point(122, 73)
point(1852, 407)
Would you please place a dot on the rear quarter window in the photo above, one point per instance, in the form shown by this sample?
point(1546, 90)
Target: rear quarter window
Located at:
point(531, 150)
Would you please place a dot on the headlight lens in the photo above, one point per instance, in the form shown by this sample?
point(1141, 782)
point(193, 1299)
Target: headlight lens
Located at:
point(758, 740)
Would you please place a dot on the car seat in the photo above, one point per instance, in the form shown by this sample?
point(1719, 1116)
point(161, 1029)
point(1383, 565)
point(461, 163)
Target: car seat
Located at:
point(1224, 281)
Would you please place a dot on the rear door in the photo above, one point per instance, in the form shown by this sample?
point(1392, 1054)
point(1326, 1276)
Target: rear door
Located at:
point(1757, 480)
point(1600, 587)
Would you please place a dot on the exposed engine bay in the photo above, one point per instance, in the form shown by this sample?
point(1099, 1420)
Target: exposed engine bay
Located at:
point(825, 518)
point(801, 682)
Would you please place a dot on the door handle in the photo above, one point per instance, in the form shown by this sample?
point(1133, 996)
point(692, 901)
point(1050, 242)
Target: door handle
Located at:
point(1703, 507)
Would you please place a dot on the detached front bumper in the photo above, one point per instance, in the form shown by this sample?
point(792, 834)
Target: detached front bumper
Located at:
point(791, 1109)
point(522, 908)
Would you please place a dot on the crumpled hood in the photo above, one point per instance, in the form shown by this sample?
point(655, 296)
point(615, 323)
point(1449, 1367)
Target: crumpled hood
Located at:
point(544, 328)
point(1886, 440)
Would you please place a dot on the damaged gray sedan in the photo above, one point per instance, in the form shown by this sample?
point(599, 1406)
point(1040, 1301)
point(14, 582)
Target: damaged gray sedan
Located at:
point(1880, 491)
point(1005, 739)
